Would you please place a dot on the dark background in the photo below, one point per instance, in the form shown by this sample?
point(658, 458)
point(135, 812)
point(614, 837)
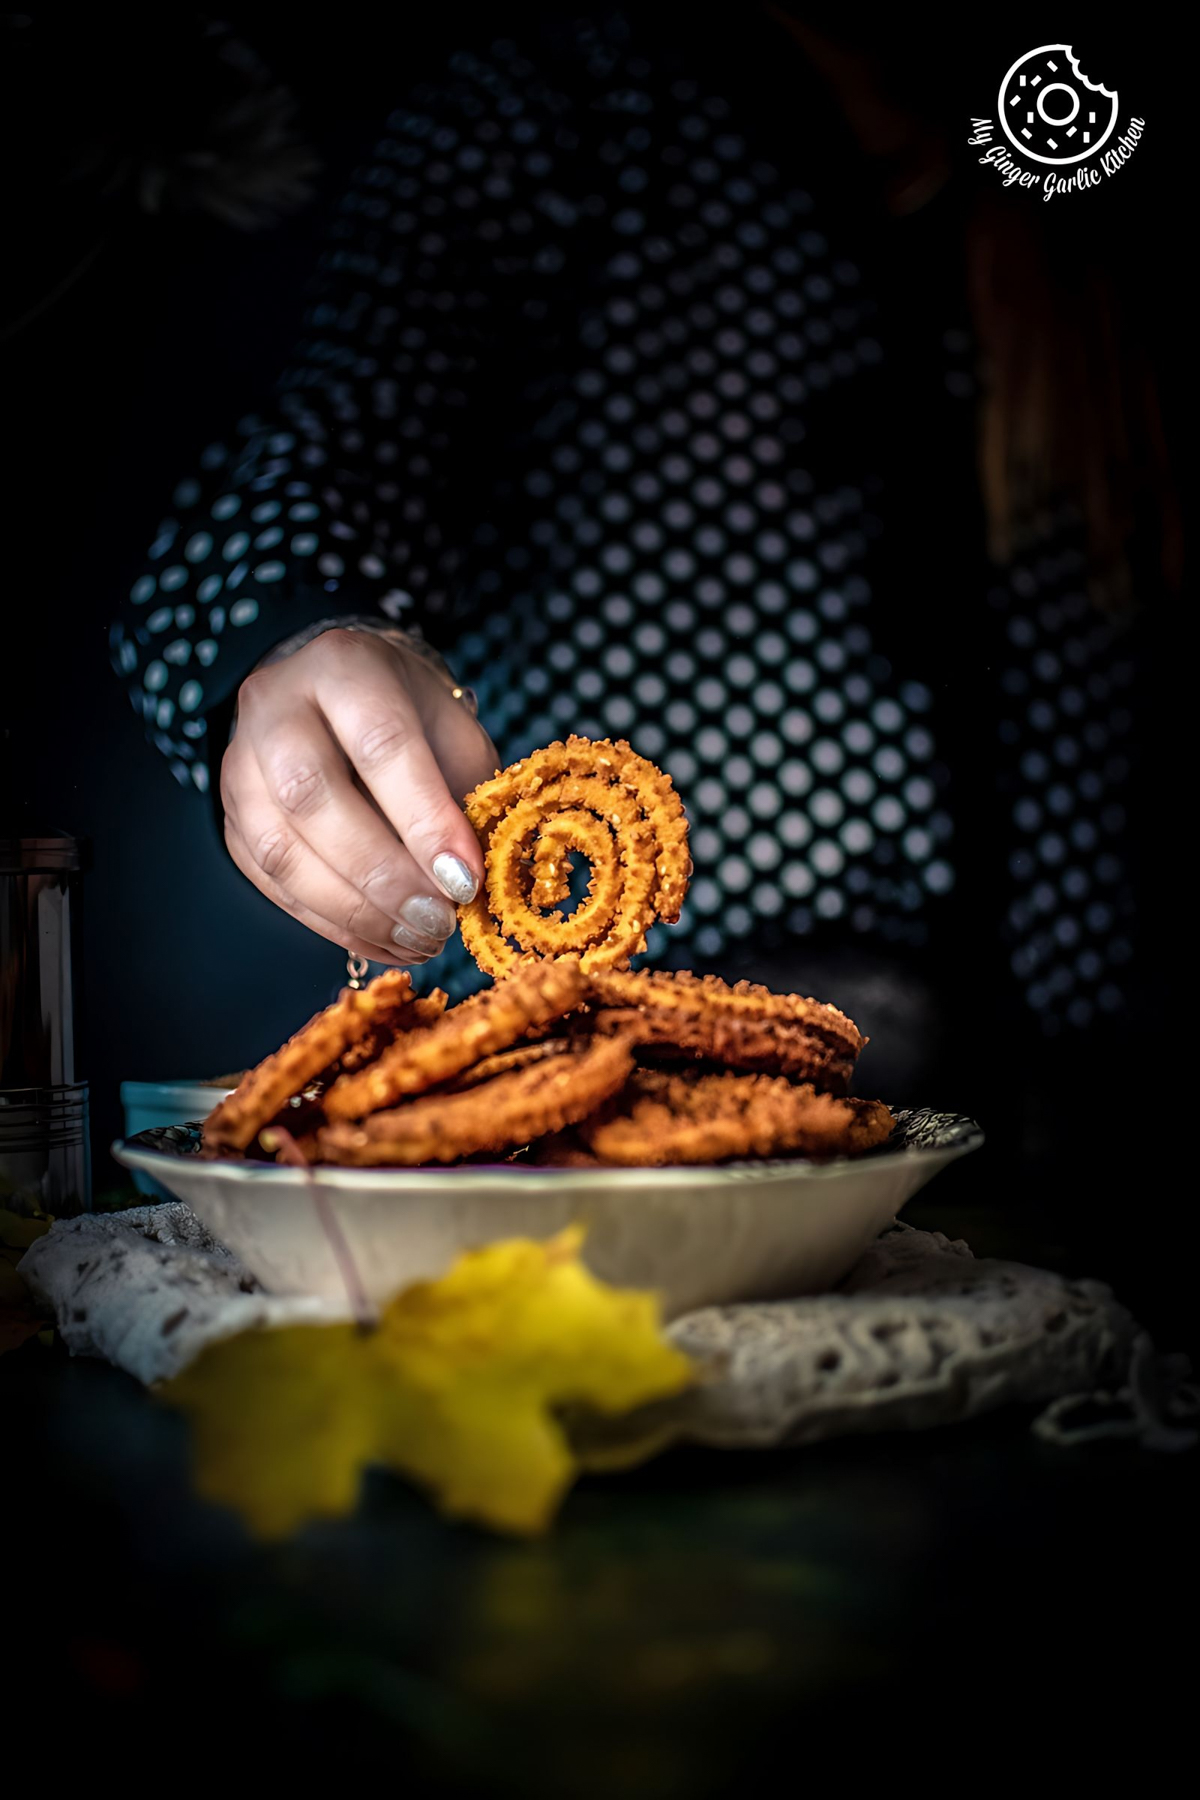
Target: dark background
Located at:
point(969, 1580)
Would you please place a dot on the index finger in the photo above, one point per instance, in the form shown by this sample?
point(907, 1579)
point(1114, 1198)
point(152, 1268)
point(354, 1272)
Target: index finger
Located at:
point(377, 724)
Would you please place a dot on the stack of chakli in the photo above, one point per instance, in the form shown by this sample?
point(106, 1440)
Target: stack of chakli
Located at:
point(570, 1057)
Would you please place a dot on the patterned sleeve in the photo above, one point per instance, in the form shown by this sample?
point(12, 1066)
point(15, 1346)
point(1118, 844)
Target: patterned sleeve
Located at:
point(347, 495)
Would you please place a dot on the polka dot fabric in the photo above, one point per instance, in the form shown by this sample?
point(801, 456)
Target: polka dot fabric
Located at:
point(1065, 676)
point(567, 398)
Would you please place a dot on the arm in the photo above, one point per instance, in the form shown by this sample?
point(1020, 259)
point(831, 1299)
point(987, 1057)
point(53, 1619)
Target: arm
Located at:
point(343, 501)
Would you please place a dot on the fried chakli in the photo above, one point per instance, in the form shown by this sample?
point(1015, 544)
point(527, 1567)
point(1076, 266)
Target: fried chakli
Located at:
point(505, 1062)
point(497, 1115)
point(743, 1027)
point(294, 1152)
point(417, 1014)
point(291, 1135)
point(261, 1093)
point(562, 1150)
point(531, 997)
point(676, 1118)
point(543, 1067)
point(598, 798)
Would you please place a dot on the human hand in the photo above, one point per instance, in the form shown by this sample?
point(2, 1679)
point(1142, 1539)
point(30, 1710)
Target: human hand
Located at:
point(342, 787)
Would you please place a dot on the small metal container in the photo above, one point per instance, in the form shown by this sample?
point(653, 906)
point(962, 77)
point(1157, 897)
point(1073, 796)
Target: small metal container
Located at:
point(45, 1158)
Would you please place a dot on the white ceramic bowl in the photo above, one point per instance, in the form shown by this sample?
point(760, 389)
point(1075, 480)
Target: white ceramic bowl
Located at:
point(699, 1236)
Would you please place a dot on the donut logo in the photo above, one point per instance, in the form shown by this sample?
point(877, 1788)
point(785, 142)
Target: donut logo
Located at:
point(1050, 111)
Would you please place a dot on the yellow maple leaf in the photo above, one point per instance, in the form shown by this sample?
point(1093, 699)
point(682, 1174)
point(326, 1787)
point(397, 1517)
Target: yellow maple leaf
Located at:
point(456, 1387)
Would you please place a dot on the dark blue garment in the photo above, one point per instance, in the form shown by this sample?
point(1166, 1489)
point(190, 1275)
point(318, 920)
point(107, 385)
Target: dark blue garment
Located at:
point(586, 390)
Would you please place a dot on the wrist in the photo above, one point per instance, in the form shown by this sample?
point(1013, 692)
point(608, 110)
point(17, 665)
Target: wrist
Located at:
point(401, 637)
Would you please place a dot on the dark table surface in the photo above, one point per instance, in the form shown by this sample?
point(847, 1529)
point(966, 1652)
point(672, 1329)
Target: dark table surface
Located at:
point(682, 1627)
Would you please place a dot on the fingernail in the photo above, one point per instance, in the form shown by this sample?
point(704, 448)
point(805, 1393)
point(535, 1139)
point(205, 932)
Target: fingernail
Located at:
point(425, 912)
point(414, 941)
point(453, 875)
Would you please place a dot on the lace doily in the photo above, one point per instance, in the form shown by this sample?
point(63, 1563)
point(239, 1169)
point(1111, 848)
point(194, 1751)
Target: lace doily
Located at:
point(920, 1333)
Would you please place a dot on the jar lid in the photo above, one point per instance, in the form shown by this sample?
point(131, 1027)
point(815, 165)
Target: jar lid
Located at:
point(45, 855)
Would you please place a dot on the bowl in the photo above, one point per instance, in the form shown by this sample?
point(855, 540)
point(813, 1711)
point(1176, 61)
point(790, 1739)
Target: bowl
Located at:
point(700, 1236)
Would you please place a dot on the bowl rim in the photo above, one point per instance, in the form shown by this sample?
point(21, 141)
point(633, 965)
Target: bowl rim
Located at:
point(958, 1135)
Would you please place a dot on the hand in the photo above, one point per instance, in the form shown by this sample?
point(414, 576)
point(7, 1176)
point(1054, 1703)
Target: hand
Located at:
point(342, 788)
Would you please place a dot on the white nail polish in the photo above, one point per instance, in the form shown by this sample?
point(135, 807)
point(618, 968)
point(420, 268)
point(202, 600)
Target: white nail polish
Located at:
point(414, 941)
point(454, 877)
point(428, 914)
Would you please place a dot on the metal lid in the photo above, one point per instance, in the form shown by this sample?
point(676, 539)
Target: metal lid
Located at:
point(46, 855)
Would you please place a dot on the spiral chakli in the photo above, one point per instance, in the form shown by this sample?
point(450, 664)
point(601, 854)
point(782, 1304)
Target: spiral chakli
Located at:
point(595, 798)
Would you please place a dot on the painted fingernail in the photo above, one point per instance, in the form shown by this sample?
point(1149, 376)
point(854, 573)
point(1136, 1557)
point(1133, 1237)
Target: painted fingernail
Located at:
point(416, 942)
point(454, 877)
point(425, 912)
